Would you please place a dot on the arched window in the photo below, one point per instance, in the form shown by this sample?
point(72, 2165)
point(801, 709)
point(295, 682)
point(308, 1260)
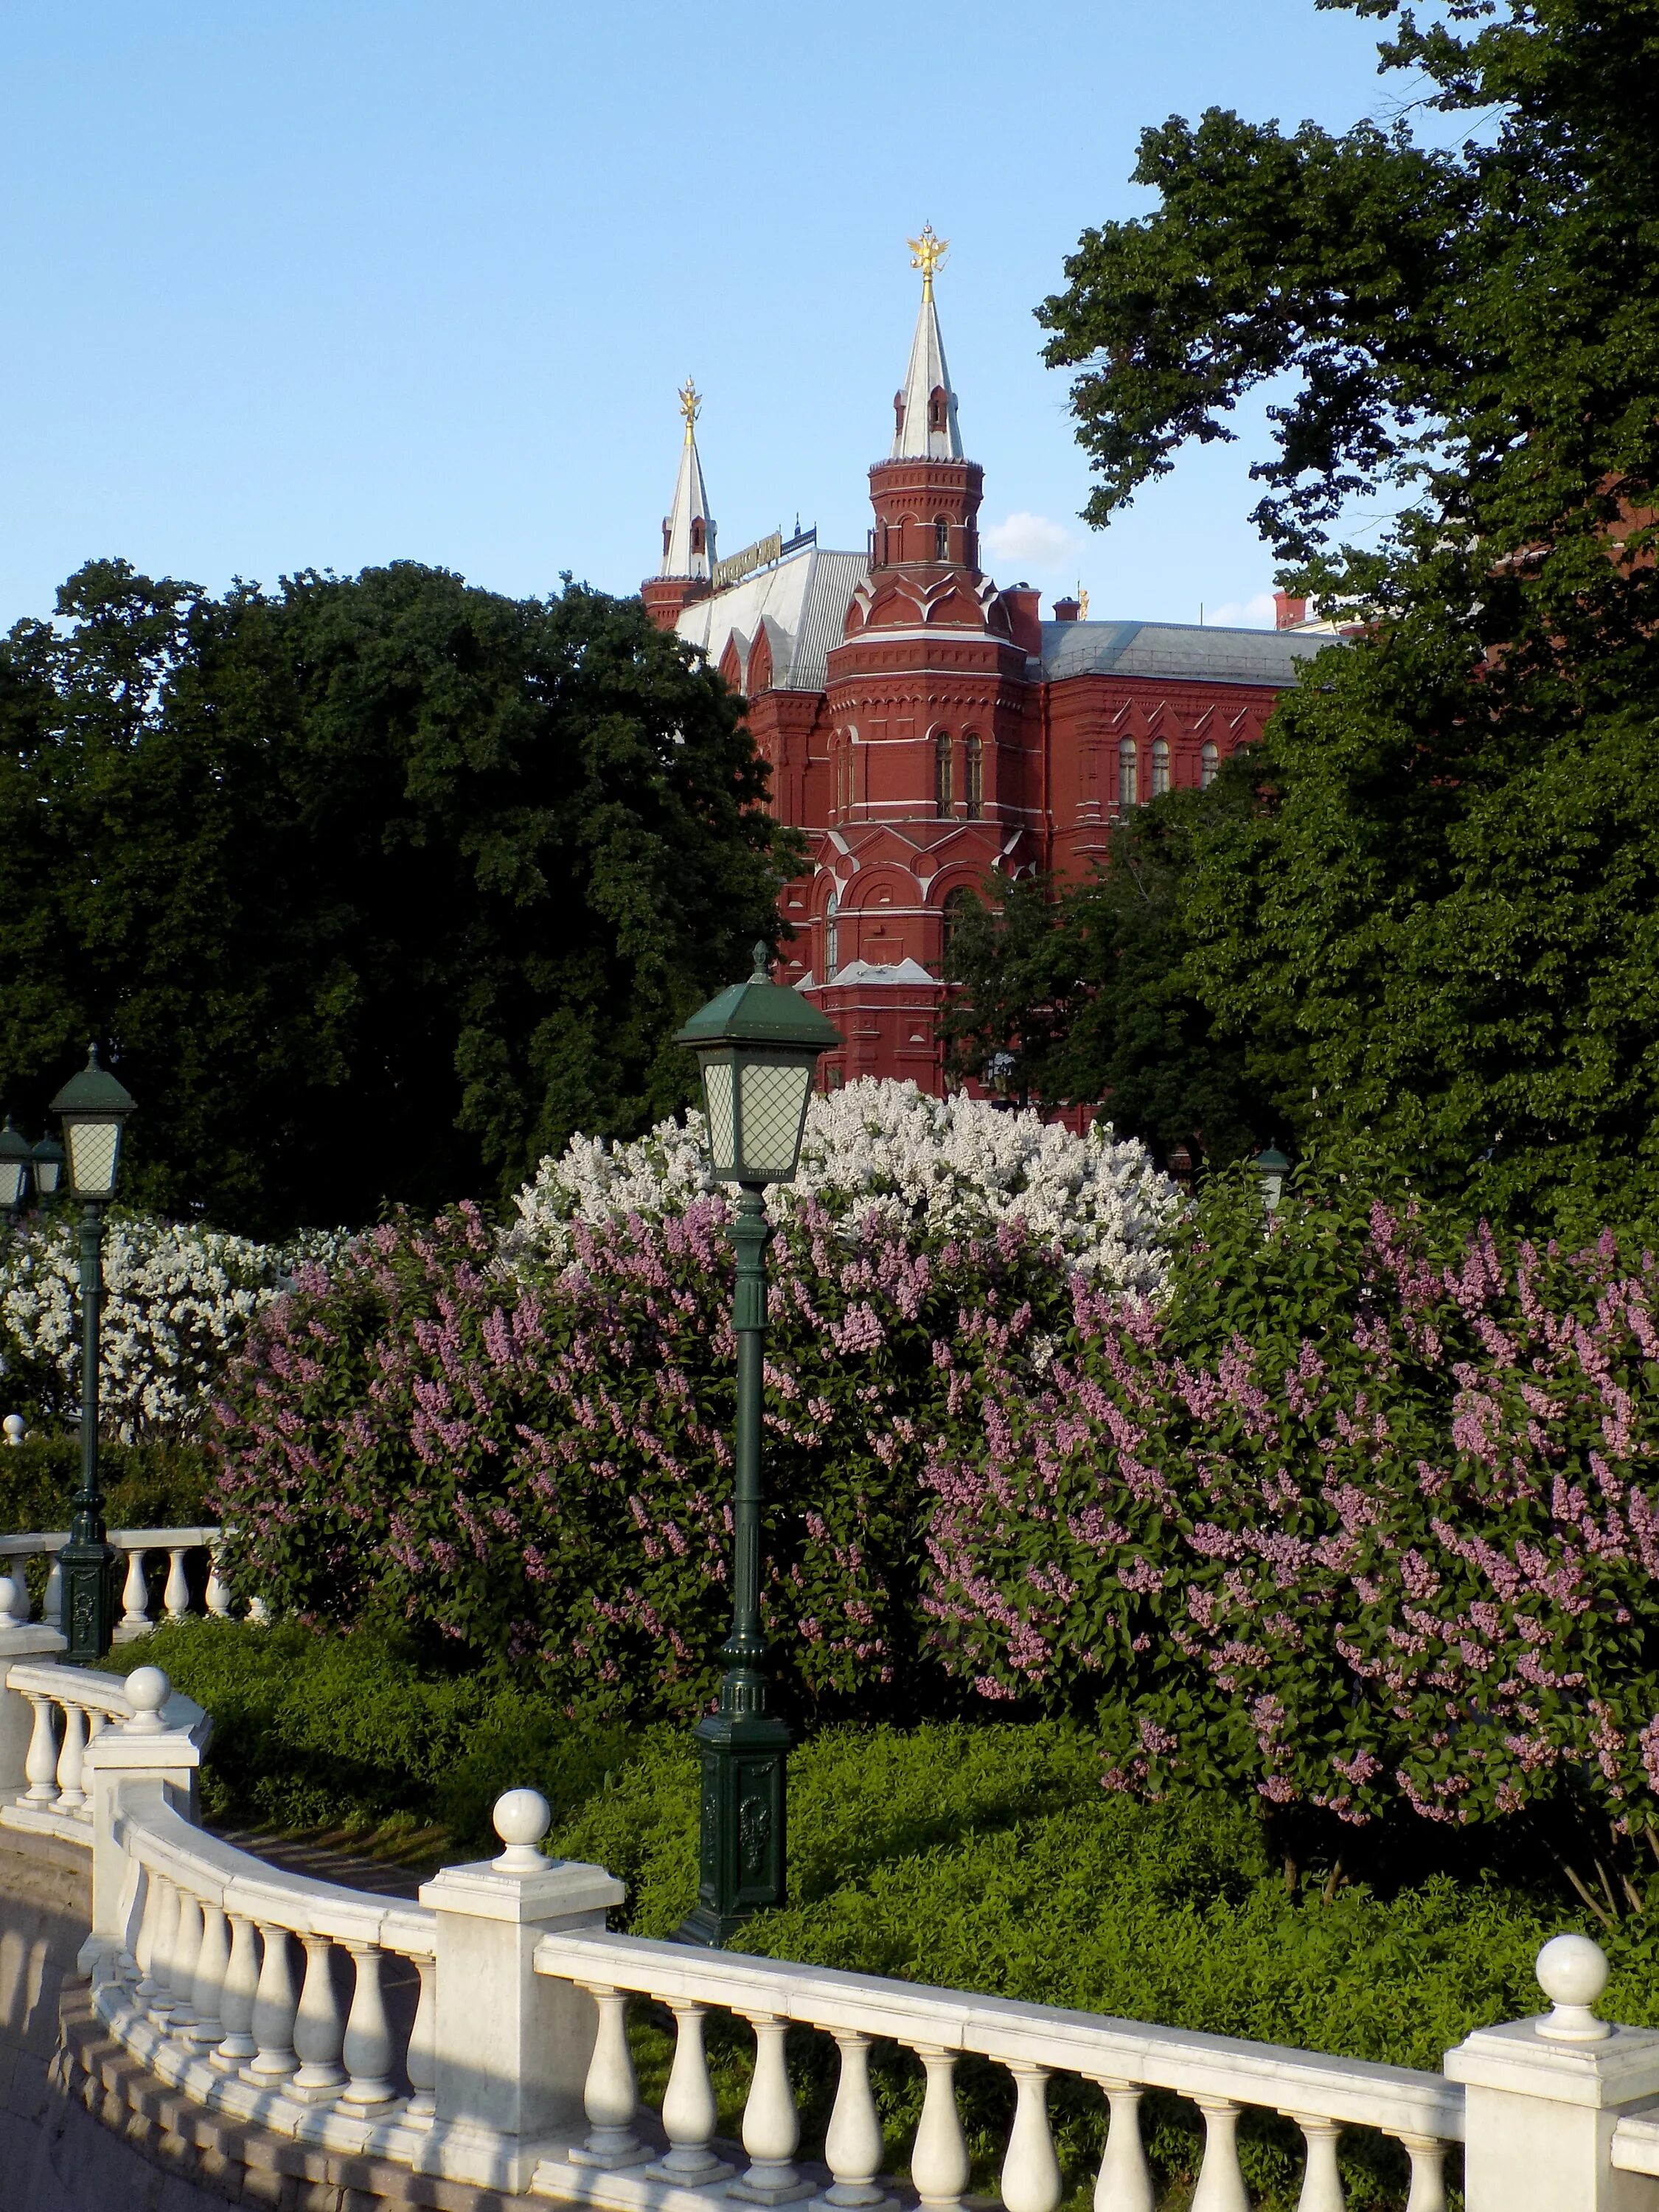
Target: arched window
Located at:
point(956, 904)
point(938, 408)
point(941, 537)
point(943, 794)
point(831, 937)
point(1160, 768)
point(1128, 774)
point(698, 533)
point(973, 778)
point(1208, 761)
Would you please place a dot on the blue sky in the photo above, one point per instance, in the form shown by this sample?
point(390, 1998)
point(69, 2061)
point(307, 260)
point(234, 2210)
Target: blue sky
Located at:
point(330, 284)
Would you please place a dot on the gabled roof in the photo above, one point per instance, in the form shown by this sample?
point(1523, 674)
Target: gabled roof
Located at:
point(803, 604)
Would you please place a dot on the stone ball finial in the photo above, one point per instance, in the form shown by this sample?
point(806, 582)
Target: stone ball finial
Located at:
point(521, 1818)
point(149, 1689)
point(16, 1428)
point(14, 1602)
point(1572, 1972)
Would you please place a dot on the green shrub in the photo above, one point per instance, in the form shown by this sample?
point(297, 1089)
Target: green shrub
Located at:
point(148, 1485)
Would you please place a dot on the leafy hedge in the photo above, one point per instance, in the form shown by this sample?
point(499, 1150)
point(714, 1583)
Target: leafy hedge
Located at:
point(158, 1485)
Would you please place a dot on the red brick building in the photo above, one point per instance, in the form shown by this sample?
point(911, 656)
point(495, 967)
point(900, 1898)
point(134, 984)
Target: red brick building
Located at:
point(925, 726)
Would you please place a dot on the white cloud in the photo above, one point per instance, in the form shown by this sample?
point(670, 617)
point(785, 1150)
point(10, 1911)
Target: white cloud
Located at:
point(1259, 613)
point(1029, 538)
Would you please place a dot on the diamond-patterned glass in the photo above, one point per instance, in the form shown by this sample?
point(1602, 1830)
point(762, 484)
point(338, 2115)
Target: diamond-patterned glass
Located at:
point(722, 1134)
point(11, 1181)
point(774, 1105)
point(92, 1149)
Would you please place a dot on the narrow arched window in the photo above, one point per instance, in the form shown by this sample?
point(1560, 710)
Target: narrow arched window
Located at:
point(698, 533)
point(1128, 774)
point(831, 936)
point(1160, 768)
point(1208, 761)
point(973, 778)
point(941, 538)
point(938, 408)
point(943, 794)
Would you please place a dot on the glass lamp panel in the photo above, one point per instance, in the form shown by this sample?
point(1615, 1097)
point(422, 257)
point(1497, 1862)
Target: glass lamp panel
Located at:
point(93, 1146)
point(774, 1105)
point(722, 1129)
point(1272, 1188)
point(45, 1176)
point(11, 1181)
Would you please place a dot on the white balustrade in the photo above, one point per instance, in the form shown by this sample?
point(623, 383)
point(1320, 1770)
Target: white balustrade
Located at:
point(135, 1598)
point(274, 2009)
point(938, 2158)
point(138, 1547)
point(690, 2113)
point(420, 2061)
point(318, 2032)
point(1124, 2183)
point(367, 2047)
point(853, 2142)
point(610, 2093)
point(771, 2127)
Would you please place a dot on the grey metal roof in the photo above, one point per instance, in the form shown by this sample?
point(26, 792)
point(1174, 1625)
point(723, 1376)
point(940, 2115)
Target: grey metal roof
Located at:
point(835, 577)
point(1192, 650)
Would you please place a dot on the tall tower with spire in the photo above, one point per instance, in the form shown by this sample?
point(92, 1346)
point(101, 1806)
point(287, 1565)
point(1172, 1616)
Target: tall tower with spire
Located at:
point(688, 530)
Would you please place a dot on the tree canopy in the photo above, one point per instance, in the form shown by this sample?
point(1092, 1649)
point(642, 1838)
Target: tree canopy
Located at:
point(380, 887)
point(1438, 920)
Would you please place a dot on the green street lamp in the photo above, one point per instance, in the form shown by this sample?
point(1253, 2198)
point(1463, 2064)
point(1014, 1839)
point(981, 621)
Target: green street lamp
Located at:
point(758, 1044)
point(15, 1155)
point(94, 1107)
point(1272, 1167)
point(48, 1167)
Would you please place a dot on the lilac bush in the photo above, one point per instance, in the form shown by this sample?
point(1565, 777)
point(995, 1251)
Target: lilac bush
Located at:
point(1348, 1523)
point(536, 1465)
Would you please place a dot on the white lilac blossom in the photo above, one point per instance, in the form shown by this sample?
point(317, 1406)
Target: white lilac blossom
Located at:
point(178, 1301)
point(940, 1167)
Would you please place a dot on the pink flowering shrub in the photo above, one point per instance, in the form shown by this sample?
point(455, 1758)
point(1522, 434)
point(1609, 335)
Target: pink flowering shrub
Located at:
point(1349, 1523)
point(539, 1466)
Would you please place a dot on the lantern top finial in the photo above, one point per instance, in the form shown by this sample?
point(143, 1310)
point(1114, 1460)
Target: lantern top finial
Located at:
point(762, 958)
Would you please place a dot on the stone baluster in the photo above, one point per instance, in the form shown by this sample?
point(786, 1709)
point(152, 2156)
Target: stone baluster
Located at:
point(135, 1599)
point(611, 2094)
point(1030, 2171)
point(317, 2030)
point(176, 1596)
point(367, 2047)
point(258, 1613)
point(207, 1991)
point(1428, 2157)
point(217, 1597)
point(71, 1756)
point(143, 1951)
point(186, 1949)
point(40, 1765)
point(420, 2062)
point(1321, 2177)
point(51, 1608)
point(938, 2157)
point(274, 2008)
point(689, 2114)
point(771, 2127)
point(853, 2145)
point(1220, 2183)
point(15, 1593)
point(1124, 2183)
point(236, 1996)
point(162, 1945)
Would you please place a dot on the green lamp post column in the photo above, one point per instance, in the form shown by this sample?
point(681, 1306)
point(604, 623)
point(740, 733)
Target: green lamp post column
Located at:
point(94, 1107)
point(758, 1044)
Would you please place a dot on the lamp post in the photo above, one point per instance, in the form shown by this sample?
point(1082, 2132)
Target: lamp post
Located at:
point(94, 1107)
point(1271, 1166)
point(758, 1043)
point(15, 1155)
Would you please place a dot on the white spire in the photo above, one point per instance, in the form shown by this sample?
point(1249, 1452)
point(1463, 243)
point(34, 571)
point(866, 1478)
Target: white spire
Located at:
point(925, 410)
point(688, 547)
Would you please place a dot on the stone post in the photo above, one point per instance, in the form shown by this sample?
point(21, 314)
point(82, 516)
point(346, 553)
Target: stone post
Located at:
point(151, 1759)
point(510, 2047)
point(30, 1640)
point(1544, 2096)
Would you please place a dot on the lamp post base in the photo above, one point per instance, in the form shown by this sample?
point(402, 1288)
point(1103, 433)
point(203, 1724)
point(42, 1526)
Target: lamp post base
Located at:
point(741, 1853)
point(88, 1567)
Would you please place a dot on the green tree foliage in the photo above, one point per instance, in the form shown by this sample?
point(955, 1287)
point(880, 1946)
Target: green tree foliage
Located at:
point(1079, 991)
point(381, 886)
point(1441, 917)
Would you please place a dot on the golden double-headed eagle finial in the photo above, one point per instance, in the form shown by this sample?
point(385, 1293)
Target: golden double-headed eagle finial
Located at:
point(690, 403)
point(927, 253)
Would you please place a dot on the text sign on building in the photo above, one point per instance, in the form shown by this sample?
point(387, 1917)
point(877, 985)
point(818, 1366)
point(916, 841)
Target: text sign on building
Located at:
point(745, 563)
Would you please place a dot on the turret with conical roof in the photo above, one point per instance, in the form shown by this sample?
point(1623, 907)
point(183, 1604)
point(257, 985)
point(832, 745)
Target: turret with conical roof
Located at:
point(925, 409)
point(688, 530)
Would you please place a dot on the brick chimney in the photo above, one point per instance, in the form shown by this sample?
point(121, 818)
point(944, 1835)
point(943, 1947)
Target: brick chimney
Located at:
point(1024, 617)
point(1067, 609)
